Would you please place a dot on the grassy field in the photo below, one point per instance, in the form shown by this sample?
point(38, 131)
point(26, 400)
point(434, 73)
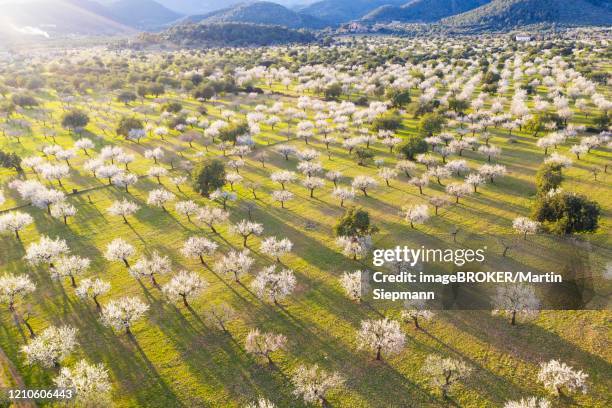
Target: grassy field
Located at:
point(177, 359)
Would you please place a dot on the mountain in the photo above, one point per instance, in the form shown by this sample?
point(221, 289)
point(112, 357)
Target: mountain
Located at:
point(341, 11)
point(85, 17)
point(421, 11)
point(141, 13)
point(229, 34)
point(60, 17)
point(261, 12)
point(507, 14)
point(188, 7)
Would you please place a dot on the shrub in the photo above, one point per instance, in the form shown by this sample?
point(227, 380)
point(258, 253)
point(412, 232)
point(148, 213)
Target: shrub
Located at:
point(128, 123)
point(209, 176)
point(414, 145)
point(354, 223)
point(567, 213)
point(548, 177)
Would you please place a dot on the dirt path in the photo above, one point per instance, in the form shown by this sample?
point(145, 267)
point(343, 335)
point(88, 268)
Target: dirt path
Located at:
point(10, 378)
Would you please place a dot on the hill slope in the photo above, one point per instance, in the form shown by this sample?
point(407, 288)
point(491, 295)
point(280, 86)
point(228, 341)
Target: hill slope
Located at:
point(422, 10)
point(341, 11)
point(141, 13)
point(505, 14)
point(232, 34)
point(262, 12)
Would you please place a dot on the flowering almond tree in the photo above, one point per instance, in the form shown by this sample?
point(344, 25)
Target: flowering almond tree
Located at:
point(235, 263)
point(313, 383)
point(263, 344)
point(122, 313)
point(51, 346)
point(444, 373)
point(13, 287)
point(199, 247)
point(558, 378)
point(92, 288)
point(272, 285)
point(119, 250)
point(14, 222)
point(149, 267)
point(381, 336)
point(90, 383)
point(275, 247)
point(184, 285)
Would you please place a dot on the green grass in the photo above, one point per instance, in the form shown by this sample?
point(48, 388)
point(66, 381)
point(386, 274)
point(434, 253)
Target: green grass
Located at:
point(178, 360)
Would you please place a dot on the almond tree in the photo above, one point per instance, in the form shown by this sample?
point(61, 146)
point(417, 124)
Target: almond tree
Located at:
point(122, 313)
point(491, 171)
point(282, 196)
point(352, 284)
point(283, 177)
point(90, 383)
point(14, 222)
point(235, 263)
point(415, 310)
point(313, 383)
point(119, 250)
point(420, 182)
point(184, 285)
point(475, 180)
point(63, 210)
point(246, 228)
point(531, 402)
point(219, 315)
point(261, 403)
point(363, 183)
point(439, 172)
point(525, 226)
point(439, 202)
point(333, 176)
point(45, 251)
point(444, 373)
point(558, 377)
point(149, 267)
point(187, 208)
point(123, 208)
point(92, 288)
point(405, 166)
point(198, 247)
point(272, 285)
point(381, 336)
point(517, 301)
point(275, 247)
point(124, 180)
point(387, 174)
point(223, 197)
point(51, 346)
point(343, 194)
point(70, 266)
point(313, 182)
point(13, 287)
point(211, 216)
point(355, 247)
point(458, 191)
point(263, 344)
point(416, 214)
point(160, 197)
